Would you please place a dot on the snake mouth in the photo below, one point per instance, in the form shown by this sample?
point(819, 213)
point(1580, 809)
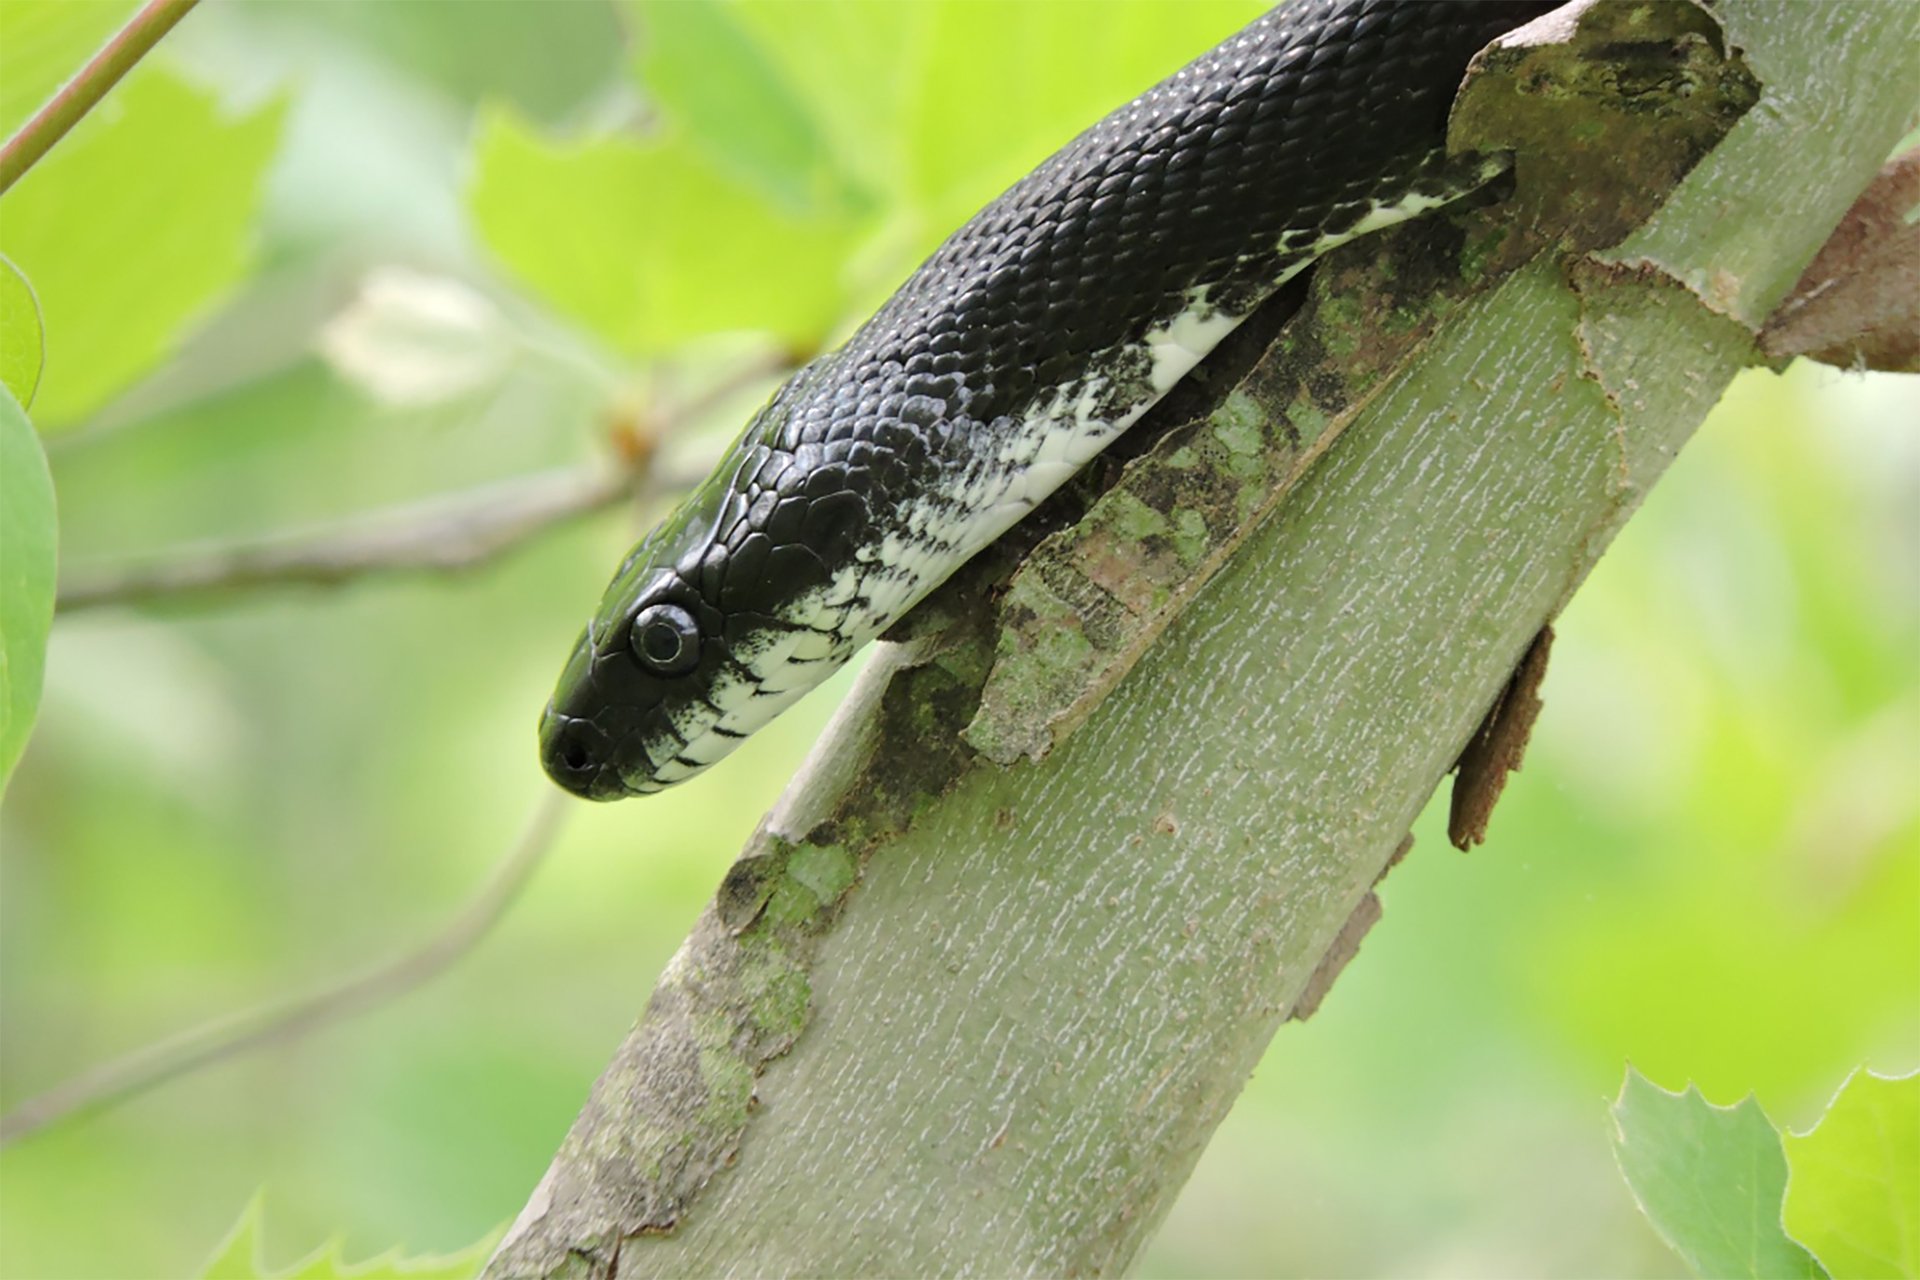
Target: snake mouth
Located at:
point(578, 757)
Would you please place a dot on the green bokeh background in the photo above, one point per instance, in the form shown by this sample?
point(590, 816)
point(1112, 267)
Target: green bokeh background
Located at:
point(429, 245)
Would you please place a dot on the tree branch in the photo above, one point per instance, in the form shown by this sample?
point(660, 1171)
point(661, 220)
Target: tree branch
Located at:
point(215, 1042)
point(1004, 1053)
point(443, 534)
point(80, 94)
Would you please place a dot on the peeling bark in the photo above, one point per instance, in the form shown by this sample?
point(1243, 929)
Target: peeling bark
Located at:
point(1857, 305)
point(1497, 747)
point(1346, 944)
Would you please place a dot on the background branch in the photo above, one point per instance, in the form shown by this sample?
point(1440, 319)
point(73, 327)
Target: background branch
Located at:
point(226, 1038)
point(442, 534)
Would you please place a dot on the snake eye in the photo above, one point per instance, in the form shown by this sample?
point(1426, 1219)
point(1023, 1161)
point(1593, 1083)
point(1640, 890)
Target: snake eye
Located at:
point(665, 639)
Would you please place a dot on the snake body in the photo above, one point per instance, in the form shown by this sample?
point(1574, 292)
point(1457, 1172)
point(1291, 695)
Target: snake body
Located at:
point(1035, 335)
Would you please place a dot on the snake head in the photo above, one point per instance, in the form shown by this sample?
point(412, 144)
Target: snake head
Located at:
point(626, 713)
point(688, 654)
point(634, 709)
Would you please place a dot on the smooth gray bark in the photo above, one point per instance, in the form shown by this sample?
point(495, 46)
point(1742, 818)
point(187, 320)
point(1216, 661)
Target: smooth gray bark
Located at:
point(948, 1016)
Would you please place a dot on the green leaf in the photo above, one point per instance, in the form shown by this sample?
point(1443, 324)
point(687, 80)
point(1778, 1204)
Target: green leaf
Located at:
point(855, 64)
point(22, 351)
point(1853, 1197)
point(650, 244)
point(130, 228)
point(42, 43)
point(992, 101)
point(28, 536)
point(943, 103)
point(581, 50)
point(924, 110)
point(709, 74)
point(1709, 1178)
point(241, 1256)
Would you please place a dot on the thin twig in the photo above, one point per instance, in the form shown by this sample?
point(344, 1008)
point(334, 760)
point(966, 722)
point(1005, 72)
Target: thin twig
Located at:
point(460, 531)
point(200, 1047)
point(443, 534)
point(84, 91)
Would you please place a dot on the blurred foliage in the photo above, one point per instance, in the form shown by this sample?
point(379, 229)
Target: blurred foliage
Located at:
point(631, 263)
point(129, 229)
point(1711, 1179)
point(22, 350)
point(28, 533)
point(1851, 1196)
point(1711, 865)
point(239, 1258)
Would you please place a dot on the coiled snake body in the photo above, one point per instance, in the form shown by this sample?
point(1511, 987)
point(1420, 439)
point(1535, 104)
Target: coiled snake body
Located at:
point(1033, 337)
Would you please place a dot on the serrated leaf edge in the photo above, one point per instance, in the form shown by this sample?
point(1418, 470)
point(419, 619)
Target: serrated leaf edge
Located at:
point(1694, 1090)
point(250, 1227)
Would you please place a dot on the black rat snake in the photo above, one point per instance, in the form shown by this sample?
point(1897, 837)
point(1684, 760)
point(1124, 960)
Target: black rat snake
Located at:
point(1032, 338)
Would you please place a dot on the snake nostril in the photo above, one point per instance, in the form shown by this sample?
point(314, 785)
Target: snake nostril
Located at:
point(575, 755)
point(572, 748)
point(578, 755)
